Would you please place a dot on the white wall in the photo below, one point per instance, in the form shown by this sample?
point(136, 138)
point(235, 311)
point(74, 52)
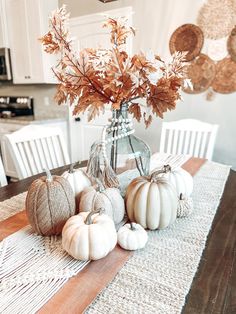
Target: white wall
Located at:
point(155, 21)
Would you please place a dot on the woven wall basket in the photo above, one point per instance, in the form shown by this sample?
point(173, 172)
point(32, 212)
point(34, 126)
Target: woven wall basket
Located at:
point(225, 79)
point(201, 71)
point(187, 37)
point(231, 44)
point(216, 49)
point(216, 18)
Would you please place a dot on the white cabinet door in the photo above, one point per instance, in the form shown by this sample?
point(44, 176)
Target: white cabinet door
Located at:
point(19, 41)
point(3, 25)
point(27, 22)
point(89, 33)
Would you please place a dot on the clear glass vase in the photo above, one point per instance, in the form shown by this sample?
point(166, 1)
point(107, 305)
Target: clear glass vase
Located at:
point(124, 150)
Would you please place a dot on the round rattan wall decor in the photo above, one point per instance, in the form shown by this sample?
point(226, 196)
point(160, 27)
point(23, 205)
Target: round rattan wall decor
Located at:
point(201, 71)
point(216, 19)
point(216, 49)
point(225, 79)
point(187, 37)
point(231, 44)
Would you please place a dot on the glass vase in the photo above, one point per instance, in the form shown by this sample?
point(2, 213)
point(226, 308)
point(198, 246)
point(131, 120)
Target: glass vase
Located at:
point(124, 150)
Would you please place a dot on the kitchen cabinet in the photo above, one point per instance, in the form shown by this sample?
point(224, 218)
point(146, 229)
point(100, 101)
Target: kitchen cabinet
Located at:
point(3, 25)
point(8, 127)
point(27, 21)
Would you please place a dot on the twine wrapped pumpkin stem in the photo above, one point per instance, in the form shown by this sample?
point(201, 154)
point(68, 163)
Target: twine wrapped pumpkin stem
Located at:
point(48, 174)
point(88, 220)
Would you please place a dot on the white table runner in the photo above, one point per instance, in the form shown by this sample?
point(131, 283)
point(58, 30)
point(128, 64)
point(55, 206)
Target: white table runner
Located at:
point(155, 280)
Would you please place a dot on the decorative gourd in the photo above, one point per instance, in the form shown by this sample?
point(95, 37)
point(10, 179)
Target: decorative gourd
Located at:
point(152, 201)
point(89, 236)
point(49, 203)
point(185, 206)
point(132, 236)
point(181, 179)
point(109, 199)
point(77, 179)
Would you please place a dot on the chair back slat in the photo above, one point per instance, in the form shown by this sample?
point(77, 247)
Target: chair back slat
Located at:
point(175, 141)
point(186, 142)
point(35, 153)
point(188, 136)
point(181, 141)
point(23, 160)
point(35, 148)
point(197, 145)
point(40, 154)
point(169, 143)
point(192, 142)
point(203, 145)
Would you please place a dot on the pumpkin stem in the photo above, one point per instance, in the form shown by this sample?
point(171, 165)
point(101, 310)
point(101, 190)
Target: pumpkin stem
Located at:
point(181, 196)
point(154, 175)
point(71, 169)
point(88, 220)
point(49, 175)
point(132, 227)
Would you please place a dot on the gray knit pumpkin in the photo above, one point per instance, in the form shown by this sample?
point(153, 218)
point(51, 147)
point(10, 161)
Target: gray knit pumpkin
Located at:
point(49, 203)
point(109, 199)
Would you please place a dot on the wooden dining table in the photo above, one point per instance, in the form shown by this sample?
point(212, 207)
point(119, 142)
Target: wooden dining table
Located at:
point(213, 289)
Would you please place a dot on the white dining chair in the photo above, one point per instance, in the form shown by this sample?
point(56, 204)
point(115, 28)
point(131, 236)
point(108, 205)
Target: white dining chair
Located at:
point(34, 148)
point(3, 179)
point(190, 137)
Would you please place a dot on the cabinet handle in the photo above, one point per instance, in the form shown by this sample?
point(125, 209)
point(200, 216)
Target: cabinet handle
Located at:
point(77, 119)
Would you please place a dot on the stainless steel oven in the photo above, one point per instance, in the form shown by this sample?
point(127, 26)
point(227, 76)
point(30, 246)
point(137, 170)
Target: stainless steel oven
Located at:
point(5, 64)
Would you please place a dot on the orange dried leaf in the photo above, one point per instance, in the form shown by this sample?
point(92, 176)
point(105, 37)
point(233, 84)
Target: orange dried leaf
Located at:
point(135, 110)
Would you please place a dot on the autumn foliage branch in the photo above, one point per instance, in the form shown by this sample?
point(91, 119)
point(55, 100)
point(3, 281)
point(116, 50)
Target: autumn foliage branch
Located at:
point(92, 78)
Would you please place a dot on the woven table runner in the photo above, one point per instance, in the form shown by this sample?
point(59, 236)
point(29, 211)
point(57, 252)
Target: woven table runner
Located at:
point(155, 280)
point(12, 206)
point(158, 278)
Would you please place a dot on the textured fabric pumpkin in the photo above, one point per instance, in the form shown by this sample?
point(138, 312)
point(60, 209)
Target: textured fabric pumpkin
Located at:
point(185, 206)
point(132, 236)
point(49, 203)
point(181, 179)
point(78, 181)
point(109, 199)
point(89, 236)
point(151, 201)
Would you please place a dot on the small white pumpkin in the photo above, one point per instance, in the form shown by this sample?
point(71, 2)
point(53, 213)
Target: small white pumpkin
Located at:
point(110, 199)
point(152, 201)
point(77, 179)
point(89, 236)
point(185, 206)
point(182, 181)
point(132, 236)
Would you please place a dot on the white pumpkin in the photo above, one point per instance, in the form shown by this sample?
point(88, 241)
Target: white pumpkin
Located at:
point(182, 181)
point(89, 236)
point(185, 206)
point(132, 236)
point(110, 199)
point(77, 179)
point(151, 201)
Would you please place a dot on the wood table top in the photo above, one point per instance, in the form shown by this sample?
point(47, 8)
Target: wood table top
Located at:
point(213, 289)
